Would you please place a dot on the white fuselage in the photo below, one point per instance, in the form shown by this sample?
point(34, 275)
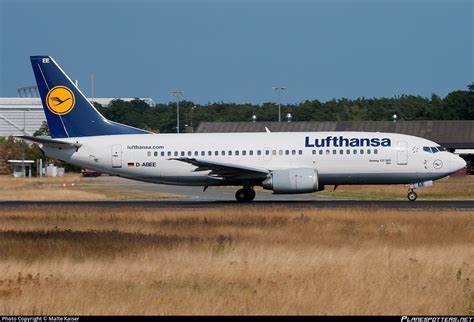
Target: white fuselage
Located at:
point(338, 157)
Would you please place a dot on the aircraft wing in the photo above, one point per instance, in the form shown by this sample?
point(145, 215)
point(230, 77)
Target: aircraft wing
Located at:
point(226, 170)
point(51, 142)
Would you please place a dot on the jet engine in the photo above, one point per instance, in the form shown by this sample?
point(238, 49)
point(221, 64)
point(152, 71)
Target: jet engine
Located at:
point(298, 180)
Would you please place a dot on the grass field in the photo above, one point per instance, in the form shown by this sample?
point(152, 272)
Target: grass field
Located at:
point(236, 260)
point(69, 187)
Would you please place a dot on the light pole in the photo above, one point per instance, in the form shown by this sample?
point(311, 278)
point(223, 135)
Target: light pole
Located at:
point(177, 94)
point(279, 89)
point(23, 145)
point(191, 116)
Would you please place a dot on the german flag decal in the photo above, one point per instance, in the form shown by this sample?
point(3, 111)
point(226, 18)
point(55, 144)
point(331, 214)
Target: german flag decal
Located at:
point(131, 164)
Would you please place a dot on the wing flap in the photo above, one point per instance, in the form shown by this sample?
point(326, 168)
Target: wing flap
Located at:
point(225, 170)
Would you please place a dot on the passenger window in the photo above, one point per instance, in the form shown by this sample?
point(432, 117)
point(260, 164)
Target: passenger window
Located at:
point(300, 152)
point(259, 152)
point(223, 152)
point(148, 153)
point(355, 152)
point(182, 153)
point(267, 152)
point(274, 152)
point(280, 152)
point(334, 151)
point(348, 151)
point(327, 152)
point(155, 154)
point(287, 152)
point(203, 153)
point(175, 153)
point(376, 151)
point(189, 153)
point(209, 153)
point(216, 153)
point(321, 152)
point(230, 152)
point(169, 153)
point(293, 152)
point(341, 151)
point(244, 152)
point(314, 151)
point(196, 153)
point(162, 153)
point(250, 152)
point(236, 152)
point(368, 151)
point(361, 151)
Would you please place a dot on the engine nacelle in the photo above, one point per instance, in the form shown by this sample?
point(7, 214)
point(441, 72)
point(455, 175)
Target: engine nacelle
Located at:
point(298, 180)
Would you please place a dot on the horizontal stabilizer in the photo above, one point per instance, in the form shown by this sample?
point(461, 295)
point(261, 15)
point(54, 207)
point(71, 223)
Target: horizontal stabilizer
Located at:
point(51, 142)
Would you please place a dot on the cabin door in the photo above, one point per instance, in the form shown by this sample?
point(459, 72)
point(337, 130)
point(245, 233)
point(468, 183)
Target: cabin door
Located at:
point(116, 156)
point(402, 153)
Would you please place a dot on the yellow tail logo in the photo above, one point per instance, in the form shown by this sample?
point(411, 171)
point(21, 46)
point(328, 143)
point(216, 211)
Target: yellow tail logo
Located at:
point(60, 100)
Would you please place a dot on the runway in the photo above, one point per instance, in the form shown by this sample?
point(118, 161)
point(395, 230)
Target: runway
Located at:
point(467, 205)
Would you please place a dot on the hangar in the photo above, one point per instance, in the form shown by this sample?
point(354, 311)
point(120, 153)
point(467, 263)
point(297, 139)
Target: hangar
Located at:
point(457, 136)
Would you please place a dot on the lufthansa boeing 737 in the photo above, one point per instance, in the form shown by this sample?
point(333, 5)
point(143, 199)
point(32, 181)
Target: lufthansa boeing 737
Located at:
point(286, 163)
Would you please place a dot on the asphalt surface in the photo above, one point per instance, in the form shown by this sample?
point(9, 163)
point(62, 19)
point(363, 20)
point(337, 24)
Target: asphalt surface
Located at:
point(192, 204)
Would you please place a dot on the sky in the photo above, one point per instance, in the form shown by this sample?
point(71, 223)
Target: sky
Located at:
point(237, 50)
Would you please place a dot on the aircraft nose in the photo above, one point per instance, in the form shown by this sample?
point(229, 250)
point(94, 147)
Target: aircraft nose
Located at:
point(457, 163)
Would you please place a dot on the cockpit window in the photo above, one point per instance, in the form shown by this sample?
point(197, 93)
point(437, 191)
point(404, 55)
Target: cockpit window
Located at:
point(434, 149)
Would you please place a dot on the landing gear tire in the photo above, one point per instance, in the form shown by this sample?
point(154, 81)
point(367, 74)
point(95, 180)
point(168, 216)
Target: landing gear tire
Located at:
point(245, 195)
point(412, 195)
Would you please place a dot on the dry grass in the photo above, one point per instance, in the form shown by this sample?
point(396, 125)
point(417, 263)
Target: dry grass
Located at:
point(69, 187)
point(242, 260)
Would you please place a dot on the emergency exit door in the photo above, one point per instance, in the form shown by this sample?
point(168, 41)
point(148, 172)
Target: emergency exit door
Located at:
point(116, 156)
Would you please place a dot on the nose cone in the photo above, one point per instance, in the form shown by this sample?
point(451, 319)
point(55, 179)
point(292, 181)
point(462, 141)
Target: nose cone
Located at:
point(457, 163)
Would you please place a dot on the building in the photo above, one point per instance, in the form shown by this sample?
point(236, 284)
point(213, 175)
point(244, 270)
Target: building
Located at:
point(21, 168)
point(24, 115)
point(450, 134)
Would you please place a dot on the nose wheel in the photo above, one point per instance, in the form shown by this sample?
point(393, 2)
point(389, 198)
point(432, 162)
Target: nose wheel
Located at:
point(412, 195)
point(245, 195)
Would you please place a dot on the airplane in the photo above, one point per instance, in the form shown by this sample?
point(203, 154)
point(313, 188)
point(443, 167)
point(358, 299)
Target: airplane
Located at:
point(285, 163)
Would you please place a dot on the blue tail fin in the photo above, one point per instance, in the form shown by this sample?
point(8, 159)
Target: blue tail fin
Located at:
point(68, 112)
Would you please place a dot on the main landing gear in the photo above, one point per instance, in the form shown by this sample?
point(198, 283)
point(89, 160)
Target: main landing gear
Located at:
point(412, 195)
point(245, 195)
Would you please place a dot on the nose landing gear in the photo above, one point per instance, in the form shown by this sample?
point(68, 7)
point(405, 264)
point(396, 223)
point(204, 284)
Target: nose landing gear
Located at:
point(245, 195)
point(412, 195)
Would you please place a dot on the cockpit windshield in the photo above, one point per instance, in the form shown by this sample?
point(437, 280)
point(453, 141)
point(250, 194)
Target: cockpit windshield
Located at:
point(434, 149)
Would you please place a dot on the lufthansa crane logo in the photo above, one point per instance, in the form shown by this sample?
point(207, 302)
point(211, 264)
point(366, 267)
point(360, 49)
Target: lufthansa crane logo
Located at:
point(437, 164)
point(60, 100)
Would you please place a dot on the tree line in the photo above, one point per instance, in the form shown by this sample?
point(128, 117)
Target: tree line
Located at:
point(457, 105)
